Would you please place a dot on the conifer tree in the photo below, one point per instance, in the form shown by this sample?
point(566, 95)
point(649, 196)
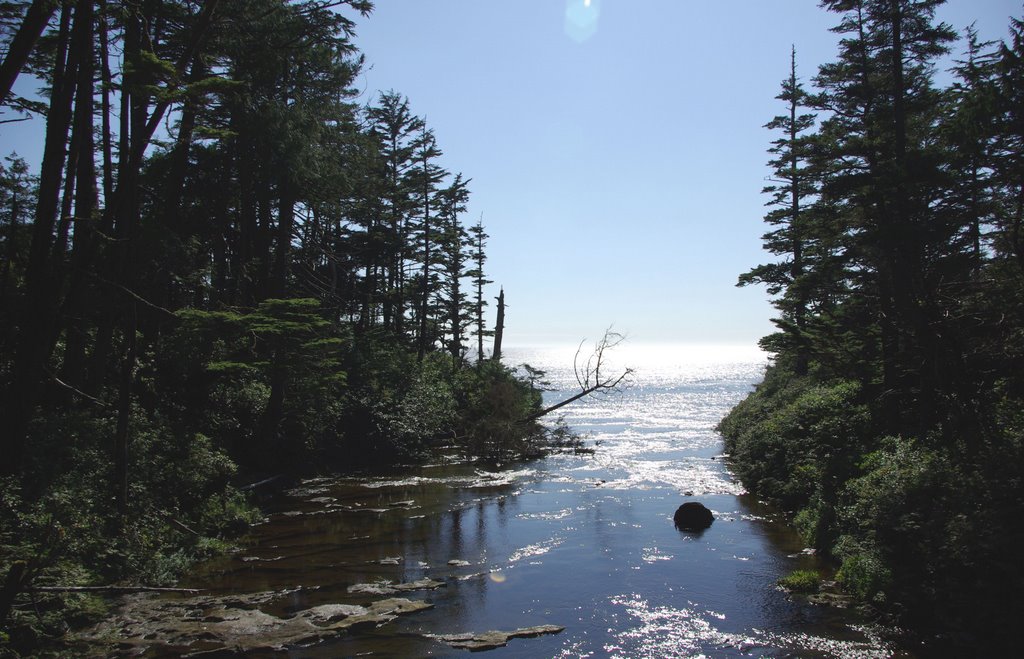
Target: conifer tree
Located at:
point(427, 175)
point(1009, 146)
point(19, 47)
point(967, 133)
point(792, 187)
point(478, 256)
point(397, 132)
point(454, 256)
point(877, 171)
point(17, 191)
point(892, 446)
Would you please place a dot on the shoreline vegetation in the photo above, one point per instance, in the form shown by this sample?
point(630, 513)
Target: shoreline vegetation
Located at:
point(224, 269)
point(68, 552)
point(889, 422)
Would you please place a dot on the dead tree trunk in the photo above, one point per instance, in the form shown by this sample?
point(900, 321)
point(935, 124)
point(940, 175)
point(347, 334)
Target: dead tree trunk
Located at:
point(499, 326)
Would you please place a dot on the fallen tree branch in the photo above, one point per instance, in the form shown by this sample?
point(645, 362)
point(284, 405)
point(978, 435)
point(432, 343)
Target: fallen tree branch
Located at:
point(575, 397)
point(170, 518)
point(75, 390)
point(589, 376)
point(135, 296)
point(266, 481)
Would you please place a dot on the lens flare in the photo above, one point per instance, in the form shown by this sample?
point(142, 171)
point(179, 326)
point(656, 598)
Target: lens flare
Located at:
point(581, 17)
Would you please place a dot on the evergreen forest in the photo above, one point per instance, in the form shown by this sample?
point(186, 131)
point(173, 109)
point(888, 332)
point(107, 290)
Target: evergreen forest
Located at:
point(232, 266)
point(226, 269)
point(890, 421)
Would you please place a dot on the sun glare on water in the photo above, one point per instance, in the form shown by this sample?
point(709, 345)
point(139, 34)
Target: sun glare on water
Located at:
point(652, 364)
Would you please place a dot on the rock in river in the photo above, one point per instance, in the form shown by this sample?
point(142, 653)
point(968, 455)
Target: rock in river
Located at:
point(493, 639)
point(388, 588)
point(693, 516)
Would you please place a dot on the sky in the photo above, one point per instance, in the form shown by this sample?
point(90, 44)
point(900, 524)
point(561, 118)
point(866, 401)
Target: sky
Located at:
point(618, 159)
point(616, 147)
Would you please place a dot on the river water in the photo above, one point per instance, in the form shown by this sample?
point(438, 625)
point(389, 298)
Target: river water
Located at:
point(585, 542)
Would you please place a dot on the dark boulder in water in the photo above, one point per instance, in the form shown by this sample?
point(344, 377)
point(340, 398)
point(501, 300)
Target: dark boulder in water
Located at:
point(693, 516)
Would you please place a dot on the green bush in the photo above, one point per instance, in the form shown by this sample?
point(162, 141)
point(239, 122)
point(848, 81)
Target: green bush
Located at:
point(497, 402)
point(811, 521)
point(926, 528)
point(863, 571)
point(796, 441)
point(801, 581)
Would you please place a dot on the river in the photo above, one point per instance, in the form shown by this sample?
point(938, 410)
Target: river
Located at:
point(584, 542)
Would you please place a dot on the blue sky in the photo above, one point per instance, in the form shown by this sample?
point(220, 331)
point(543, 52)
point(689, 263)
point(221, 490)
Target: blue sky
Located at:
point(619, 175)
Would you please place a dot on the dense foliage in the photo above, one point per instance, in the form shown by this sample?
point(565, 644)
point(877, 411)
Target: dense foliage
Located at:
point(890, 421)
point(223, 269)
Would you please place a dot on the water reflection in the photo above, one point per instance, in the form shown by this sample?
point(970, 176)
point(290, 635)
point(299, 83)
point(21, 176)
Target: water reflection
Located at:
point(585, 542)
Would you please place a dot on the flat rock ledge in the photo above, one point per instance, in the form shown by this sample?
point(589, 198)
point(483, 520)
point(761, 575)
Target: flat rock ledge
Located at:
point(388, 588)
point(199, 625)
point(836, 600)
point(493, 639)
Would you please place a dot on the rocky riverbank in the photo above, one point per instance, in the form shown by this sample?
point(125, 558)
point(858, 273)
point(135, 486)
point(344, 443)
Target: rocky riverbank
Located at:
point(154, 625)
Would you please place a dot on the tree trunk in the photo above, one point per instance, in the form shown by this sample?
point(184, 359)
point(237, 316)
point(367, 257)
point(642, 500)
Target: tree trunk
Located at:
point(124, 410)
point(795, 229)
point(283, 246)
point(107, 85)
point(12, 239)
point(425, 289)
point(39, 311)
point(244, 253)
point(499, 326)
point(570, 399)
point(84, 179)
point(271, 453)
point(12, 586)
point(32, 27)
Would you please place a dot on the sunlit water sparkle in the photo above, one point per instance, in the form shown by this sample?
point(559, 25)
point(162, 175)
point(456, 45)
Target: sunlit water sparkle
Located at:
point(582, 541)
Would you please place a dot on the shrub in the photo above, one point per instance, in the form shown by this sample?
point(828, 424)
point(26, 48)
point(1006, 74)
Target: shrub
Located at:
point(863, 572)
point(796, 441)
point(801, 581)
